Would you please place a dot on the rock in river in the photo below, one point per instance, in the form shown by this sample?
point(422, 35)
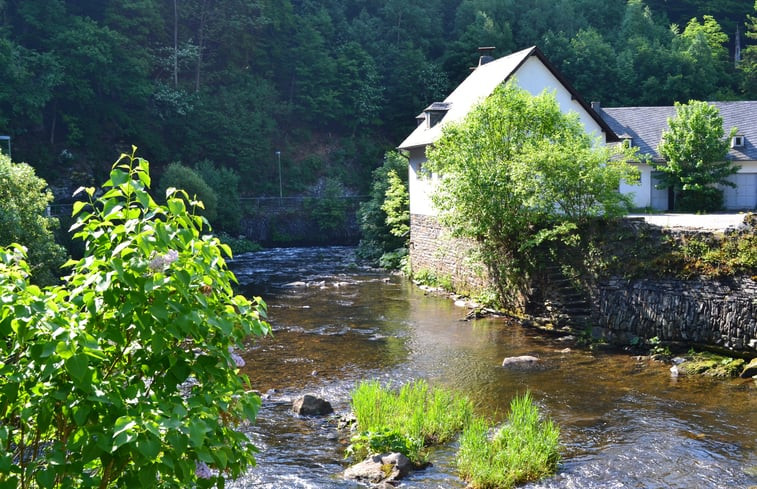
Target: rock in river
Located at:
point(380, 468)
point(750, 370)
point(310, 405)
point(521, 360)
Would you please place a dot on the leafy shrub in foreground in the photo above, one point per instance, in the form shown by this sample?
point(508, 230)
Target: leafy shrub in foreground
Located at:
point(125, 375)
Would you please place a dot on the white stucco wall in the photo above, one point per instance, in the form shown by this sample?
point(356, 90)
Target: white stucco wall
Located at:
point(420, 187)
point(642, 193)
point(534, 77)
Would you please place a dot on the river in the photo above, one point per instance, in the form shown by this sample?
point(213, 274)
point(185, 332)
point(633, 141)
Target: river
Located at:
point(625, 423)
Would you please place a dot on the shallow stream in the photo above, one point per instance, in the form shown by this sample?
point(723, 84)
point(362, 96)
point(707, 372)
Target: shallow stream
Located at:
point(625, 423)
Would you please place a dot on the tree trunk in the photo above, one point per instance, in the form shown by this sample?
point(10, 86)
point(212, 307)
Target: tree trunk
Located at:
point(175, 44)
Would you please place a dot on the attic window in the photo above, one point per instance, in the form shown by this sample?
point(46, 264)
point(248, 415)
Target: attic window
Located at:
point(435, 113)
point(737, 141)
point(626, 141)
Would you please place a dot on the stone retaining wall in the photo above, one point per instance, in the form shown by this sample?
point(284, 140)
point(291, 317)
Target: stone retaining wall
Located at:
point(433, 249)
point(719, 313)
point(722, 313)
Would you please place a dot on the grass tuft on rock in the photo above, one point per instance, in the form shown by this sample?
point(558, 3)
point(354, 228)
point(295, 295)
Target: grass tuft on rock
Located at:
point(525, 448)
point(412, 418)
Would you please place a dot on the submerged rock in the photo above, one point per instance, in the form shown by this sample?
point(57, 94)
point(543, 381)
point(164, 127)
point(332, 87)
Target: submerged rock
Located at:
point(711, 365)
point(750, 370)
point(520, 360)
point(380, 469)
point(310, 405)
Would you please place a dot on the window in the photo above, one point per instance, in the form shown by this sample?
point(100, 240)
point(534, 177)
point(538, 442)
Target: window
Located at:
point(737, 141)
point(626, 141)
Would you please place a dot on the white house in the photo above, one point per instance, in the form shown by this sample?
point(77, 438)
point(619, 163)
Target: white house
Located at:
point(642, 127)
point(531, 71)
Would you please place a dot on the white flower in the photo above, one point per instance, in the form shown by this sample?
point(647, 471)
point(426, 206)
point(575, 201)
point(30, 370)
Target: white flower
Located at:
point(202, 471)
point(161, 262)
point(238, 360)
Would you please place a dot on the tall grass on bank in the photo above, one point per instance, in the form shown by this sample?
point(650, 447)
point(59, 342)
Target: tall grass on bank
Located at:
point(524, 449)
point(419, 414)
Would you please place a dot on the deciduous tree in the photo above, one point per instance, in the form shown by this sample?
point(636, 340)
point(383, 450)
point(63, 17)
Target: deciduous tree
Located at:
point(695, 151)
point(517, 172)
point(24, 198)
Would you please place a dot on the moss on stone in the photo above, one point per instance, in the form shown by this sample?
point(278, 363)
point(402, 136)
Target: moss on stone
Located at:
point(712, 365)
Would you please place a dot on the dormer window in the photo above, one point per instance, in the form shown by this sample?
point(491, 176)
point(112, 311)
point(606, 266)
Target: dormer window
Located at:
point(737, 141)
point(435, 113)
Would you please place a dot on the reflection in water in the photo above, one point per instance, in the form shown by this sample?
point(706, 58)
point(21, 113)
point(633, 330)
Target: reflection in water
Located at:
point(625, 423)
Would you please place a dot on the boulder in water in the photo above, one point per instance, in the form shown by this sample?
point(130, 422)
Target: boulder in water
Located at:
point(520, 360)
point(310, 405)
point(380, 469)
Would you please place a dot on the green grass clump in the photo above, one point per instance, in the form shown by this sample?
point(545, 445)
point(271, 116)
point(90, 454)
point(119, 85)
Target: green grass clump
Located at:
point(524, 449)
point(414, 417)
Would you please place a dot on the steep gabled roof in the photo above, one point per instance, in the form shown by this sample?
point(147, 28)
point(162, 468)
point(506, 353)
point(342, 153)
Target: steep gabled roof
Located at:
point(645, 126)
point(480, 84)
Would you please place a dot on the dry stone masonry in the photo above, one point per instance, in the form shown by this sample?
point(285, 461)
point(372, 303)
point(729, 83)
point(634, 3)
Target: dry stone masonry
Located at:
point(698, 311)
point(722, 313)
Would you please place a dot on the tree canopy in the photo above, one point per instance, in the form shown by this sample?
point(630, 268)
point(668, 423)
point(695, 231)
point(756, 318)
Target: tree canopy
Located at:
point(235, 81)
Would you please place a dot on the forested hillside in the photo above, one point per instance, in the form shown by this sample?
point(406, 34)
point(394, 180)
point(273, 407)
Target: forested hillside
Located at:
point(331, 84)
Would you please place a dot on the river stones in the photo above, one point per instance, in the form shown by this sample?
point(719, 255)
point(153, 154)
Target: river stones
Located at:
point(310, 405)
point(750, 370)
point(380, 469)
point(522, 360)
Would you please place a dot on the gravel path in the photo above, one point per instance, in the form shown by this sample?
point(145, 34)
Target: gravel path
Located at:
point(708, 222)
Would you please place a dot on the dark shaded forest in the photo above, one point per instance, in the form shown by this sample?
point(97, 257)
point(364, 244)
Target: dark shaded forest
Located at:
point(329, 84)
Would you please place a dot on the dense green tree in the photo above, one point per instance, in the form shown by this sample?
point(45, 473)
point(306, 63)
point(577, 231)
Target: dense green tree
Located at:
point(225, 183)
point(27, 82)
point(695, 151)
point(202, 199)
point(24, 198)
point(516, 172)
point(748, 65)
point(589, 61)
point(397, 205)
point(379, 235)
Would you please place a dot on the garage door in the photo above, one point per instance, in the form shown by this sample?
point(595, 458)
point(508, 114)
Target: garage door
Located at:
point(744, 196)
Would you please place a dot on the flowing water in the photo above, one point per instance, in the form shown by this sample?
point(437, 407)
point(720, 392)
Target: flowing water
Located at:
point(625, 423)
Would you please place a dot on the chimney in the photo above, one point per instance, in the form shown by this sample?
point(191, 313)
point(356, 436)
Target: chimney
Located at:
point(596, 107)
point(485, 55)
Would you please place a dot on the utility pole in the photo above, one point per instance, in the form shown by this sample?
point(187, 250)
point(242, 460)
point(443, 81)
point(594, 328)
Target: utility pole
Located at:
point(281, 188)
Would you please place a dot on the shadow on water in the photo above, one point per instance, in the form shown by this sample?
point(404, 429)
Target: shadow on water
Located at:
point(625, 423)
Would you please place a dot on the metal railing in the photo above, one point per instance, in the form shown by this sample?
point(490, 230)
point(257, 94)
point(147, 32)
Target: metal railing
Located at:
point(249, 204)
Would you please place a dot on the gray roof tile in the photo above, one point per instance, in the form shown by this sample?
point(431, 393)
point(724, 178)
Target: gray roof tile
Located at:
point(646, 125)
